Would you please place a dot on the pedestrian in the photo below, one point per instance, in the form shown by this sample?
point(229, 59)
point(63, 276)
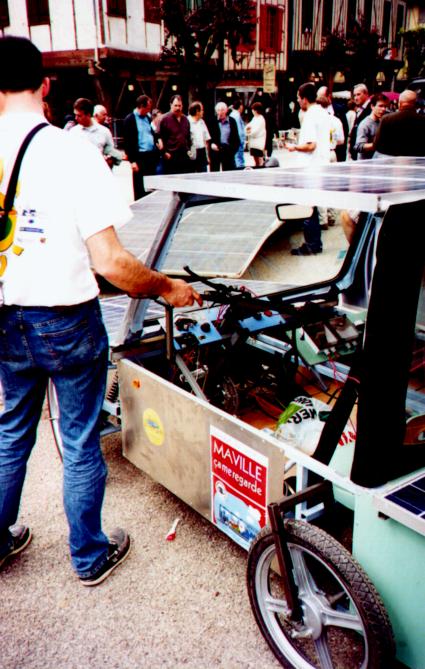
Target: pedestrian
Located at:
point(271, 130)
point(225, 140)
point(401, 133)
point(140, 144)
point(200, 137)
point(237, 114)
point(340, 124)
point(367, 129)
point(256, 133)
point(65, 213)
point(97, 134)
point(362, 101)
point(101, 116)
point(174, 139)
point(314, 147)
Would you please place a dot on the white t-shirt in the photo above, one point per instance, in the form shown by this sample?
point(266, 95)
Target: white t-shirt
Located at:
point(316, 127)
point(199, 133)
point(66, 193)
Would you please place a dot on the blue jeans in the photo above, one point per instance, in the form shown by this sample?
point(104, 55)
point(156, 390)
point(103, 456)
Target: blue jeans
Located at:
point(68, 344)
point(240, 157)
point(312, 231)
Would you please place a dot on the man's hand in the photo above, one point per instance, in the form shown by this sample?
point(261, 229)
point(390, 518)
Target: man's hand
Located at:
point(134, 167)
point(181, 294)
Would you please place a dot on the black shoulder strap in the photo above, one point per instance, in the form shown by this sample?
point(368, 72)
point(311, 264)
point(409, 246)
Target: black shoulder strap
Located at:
point(13, 181)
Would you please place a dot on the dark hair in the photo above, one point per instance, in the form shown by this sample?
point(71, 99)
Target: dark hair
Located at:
point(237, 102)
point(194, 108)
point(176, 97)
point(85, 105)
point(258, 107)
point(379, 97)
point(143, 101)
point(307, 91)
point(21, 65)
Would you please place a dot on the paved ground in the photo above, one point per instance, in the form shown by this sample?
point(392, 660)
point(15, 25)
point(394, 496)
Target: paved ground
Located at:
point(171, 604)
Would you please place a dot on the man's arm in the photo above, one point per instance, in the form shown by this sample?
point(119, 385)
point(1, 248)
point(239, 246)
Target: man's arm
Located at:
point(123, 270)
point(364, 140)
point(308, 147)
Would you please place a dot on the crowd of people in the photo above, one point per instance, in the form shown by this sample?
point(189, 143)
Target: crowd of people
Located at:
point(64, 223)
point(176, 143)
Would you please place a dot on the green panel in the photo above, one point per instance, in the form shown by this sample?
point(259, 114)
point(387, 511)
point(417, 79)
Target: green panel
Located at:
point(394, 558)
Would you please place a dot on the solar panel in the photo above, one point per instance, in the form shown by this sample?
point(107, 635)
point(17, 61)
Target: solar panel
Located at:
point(222, 238)
point(406, 504)
point(138, 234)
point(351, 185)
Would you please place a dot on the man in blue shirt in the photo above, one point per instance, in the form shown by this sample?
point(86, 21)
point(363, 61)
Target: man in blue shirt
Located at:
point(236, 113)
point(140, 144)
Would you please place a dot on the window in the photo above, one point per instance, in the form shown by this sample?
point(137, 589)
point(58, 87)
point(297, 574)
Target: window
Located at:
point(153, 11)
point(251, 45)
point(38, 12)
point(117, 8)
point(307, 16)
point(400, 21)
point(271, 22)
point(4, 14)
point(386, 22)
point(367, 13)
point(327, 17)
point(351, 15)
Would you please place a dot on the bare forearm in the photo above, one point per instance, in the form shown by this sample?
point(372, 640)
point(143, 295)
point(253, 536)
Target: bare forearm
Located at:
point(125, 272)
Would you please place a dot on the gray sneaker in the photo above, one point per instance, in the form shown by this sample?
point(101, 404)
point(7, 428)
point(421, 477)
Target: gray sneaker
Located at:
point(119, 548)
point(21, 536)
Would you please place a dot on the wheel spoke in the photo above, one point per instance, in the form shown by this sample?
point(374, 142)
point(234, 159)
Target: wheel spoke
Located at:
point(302, 575)
point(322, 650)
point(351, 621)
point(274, 605)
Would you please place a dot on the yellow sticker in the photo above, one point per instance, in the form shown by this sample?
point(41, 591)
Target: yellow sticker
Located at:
point(153, 427)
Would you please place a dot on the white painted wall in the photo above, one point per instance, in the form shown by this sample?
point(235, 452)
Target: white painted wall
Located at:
point(72, 26)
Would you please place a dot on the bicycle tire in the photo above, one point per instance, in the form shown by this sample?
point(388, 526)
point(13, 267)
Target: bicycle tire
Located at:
point(319, 562)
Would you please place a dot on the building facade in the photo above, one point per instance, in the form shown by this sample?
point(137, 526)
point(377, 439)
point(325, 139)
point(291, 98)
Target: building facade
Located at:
point(110, 50)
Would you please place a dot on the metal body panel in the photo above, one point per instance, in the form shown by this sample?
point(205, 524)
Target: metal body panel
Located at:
point(176, 451)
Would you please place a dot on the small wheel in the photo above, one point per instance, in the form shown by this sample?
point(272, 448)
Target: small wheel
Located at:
point(344, 622)
point(53, 407)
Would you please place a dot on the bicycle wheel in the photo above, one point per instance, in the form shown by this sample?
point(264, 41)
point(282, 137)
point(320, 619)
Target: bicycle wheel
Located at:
point(344, 623)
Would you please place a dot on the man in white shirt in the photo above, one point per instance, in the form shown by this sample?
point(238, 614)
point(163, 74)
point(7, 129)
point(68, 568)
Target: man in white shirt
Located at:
point(314, 147)
point(200, 137)
point(63, 221)
point(97, 134)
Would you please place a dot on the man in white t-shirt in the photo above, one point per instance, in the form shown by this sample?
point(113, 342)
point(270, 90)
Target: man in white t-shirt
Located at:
point(99, 135)
point(315, 149)
point(65, 213)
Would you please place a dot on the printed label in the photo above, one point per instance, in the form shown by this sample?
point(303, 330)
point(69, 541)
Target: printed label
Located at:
point(238, 487)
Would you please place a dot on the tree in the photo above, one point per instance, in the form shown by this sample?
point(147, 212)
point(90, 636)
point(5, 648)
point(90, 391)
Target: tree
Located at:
point(356, 52)
point(414, 51)
point(193, 36)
